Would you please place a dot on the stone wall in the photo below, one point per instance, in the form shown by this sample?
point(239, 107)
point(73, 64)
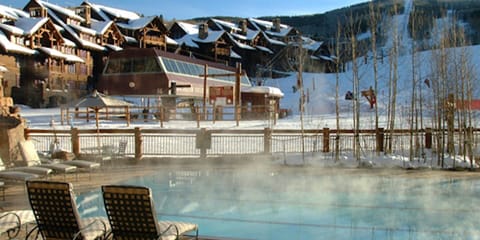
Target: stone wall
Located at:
point(11, 133)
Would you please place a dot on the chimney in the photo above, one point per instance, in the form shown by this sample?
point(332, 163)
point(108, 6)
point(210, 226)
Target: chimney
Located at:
point(243, 26)
point(276, 25)
point(88, 16)
point(85, 11)
point(203, 31)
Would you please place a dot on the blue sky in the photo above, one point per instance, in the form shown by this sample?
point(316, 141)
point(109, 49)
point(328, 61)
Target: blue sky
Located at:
point(185, 9)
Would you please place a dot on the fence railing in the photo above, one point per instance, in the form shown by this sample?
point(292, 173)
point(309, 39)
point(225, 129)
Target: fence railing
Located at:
point(216, 142)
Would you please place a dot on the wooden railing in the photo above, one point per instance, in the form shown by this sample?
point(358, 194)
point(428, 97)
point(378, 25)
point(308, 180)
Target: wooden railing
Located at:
point(223, 142)
point(162, 114)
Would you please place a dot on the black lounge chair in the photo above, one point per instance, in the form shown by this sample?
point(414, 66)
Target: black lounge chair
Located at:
point(132, 216)
point(56, 213)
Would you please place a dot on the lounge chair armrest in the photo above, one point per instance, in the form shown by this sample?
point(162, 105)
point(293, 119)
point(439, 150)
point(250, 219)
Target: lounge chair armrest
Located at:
point(168, 228)
point(32, 231)
point(90, 227)
point(13, 232)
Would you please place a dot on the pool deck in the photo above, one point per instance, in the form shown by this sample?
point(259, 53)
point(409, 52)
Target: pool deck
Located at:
point(16, 198)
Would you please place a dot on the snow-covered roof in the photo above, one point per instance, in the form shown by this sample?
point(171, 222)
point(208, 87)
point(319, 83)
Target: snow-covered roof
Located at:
point(130, 39)
point(12, 29)
point(241, 45)
point(12, 47)
point(171, 41)
point(311, 44)
point(83, 29)
point(98, 10)
point(233, 54)
point(271, 91)
point(187, 40)
point(12, 13)
point(327, 58)
point(116, 12)
point(266, 24)
point(100, 26)
point(251, 34)
point(188, 28)
point(65, 11)
point(269, 27)
point(273, 41)
point(57, 54)
point(265, 49)
point(68, 28)
point(213, 36)
point(68, 43)
point(224, 24)
point(136, 23)
point(91, 45)
point(30, 25)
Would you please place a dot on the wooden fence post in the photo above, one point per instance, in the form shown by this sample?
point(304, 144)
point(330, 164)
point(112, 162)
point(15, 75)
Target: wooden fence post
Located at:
point(69, 119)
point(62, 114)
point(26, 133)
point(267, 140)
point(380, 135)
point(75, 141)
point(162, 115)
point(197, 116)
point(138, 144)
point(326, 139)
point(127, 115)
point(428, 138)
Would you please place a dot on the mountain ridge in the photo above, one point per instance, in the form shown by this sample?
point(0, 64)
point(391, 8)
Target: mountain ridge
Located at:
point(323, 26)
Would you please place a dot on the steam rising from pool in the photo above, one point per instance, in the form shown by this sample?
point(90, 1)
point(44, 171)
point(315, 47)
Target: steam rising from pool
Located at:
point(302, 203)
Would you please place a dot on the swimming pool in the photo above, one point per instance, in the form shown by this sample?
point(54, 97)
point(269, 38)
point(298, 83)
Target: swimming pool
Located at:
point(280, 203)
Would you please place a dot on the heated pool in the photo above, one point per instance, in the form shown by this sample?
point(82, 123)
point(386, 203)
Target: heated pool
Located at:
point(258, 203)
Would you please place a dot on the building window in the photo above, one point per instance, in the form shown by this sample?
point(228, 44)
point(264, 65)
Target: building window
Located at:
point(71, 68)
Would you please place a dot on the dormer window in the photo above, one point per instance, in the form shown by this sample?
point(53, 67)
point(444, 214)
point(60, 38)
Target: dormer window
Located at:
point(38, 12)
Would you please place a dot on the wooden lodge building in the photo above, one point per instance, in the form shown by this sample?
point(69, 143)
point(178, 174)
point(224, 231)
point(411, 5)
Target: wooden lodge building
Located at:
point(55, 54)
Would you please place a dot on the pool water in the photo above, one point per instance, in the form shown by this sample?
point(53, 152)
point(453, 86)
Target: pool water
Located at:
point(295, 204)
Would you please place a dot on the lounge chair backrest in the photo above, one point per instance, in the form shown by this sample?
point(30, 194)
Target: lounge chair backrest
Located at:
point(29, 153)
point(55, 210)
point(131, 212)
point(2, 165)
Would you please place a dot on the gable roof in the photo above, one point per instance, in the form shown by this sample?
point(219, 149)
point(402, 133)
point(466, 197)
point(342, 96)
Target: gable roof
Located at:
point(24, 26)
point(58, 9)
point(71, 28)
point(225, 25)
point(100, 26)
point(105, 12)
point(188, 27)
point(12, 13)
point(14, 48)
point(268, 27)
point(137, 23)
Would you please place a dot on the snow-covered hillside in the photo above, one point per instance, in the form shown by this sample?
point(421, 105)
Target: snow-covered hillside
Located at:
point(410, 68)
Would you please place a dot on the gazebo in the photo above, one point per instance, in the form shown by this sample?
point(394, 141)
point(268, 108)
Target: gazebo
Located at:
point(97, 101)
